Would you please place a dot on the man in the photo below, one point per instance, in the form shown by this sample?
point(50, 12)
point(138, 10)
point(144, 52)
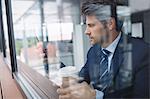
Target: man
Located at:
point(106, 66)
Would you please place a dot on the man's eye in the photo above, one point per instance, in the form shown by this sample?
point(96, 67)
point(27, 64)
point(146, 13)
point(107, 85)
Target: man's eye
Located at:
point(91, 25)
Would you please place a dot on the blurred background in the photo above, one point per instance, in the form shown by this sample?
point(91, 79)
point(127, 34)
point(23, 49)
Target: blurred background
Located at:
point(57, 26)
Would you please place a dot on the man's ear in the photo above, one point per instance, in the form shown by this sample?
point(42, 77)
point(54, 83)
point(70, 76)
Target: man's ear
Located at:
point(111, 24)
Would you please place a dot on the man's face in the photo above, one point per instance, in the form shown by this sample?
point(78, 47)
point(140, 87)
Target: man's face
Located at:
point(94, 29)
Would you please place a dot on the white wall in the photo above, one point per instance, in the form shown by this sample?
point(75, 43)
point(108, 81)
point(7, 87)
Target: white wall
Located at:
point(139, 5)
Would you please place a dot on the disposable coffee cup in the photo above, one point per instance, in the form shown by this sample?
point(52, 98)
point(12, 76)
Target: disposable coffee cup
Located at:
point(69, 76)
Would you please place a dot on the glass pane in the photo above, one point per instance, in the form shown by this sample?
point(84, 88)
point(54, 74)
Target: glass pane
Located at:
point(43, 37)
point(124, 14)
point(26, 21)
point(50, 36)
point(5, 31)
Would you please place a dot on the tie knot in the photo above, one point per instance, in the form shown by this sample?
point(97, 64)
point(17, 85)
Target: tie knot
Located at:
point(106, 52)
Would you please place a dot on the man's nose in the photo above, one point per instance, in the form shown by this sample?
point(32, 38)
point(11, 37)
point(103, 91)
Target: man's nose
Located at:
point(87, 31)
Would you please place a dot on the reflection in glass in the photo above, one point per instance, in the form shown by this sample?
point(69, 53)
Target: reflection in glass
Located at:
point(36, 33)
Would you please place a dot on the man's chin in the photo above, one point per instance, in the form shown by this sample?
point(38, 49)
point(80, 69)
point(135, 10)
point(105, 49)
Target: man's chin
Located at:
point(92, 43)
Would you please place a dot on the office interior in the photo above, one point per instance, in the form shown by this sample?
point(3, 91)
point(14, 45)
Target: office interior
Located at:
point(58, 27)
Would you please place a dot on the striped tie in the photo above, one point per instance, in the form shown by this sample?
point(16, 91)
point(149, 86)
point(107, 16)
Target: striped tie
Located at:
point(105, 76)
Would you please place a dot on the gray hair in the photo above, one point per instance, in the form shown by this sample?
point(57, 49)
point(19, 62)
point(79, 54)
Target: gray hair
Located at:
point(102, 12)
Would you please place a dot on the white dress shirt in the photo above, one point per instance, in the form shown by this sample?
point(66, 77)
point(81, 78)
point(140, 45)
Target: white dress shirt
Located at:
point(111, 48)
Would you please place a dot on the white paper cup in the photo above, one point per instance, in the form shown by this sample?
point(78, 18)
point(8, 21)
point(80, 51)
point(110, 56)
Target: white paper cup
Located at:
point(69, 75)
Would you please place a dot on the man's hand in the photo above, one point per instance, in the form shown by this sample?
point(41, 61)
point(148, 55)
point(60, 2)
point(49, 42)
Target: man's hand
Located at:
point(77, 91)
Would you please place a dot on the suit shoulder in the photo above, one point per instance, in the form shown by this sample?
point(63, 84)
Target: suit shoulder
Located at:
point(93, 49)
point(139, 42)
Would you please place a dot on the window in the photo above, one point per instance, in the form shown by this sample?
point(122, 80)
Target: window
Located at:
point(44, 24)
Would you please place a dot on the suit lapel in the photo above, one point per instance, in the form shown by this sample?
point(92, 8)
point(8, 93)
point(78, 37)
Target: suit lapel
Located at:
point(95, 64)
point(116, 62)
point(98, 54)
point(117, 59)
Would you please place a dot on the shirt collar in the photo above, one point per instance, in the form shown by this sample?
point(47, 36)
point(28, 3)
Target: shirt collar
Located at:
point(113, 45)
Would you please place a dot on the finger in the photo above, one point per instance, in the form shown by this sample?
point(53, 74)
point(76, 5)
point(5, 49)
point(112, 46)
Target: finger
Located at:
point(84, 83)
point(65, 96)
point(82, 86)
point(75, 87)
point(75, 93)
point(71, 88)
point(63, 91)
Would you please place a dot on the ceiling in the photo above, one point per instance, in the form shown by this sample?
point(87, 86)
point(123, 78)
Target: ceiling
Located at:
point(29, 8)
point(26, 8)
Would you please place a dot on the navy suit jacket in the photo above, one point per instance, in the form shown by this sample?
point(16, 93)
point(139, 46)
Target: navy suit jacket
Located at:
point(140, 67)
